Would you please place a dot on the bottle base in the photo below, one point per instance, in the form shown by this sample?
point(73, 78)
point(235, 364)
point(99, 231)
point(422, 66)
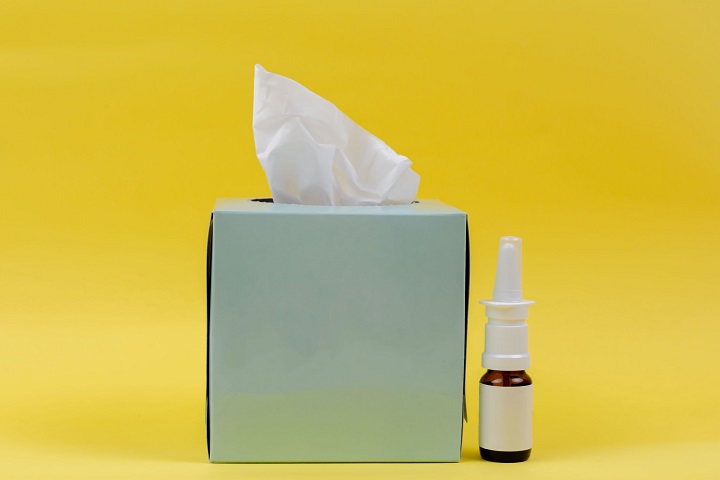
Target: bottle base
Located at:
point(504, 457)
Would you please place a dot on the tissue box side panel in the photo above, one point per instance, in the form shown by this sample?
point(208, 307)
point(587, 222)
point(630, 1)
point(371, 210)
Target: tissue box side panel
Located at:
point(467, 306)
point(208, 285)
point(336, 338)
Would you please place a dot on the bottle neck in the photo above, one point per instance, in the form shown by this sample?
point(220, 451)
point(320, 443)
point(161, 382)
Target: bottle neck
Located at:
point(500, 378)
point(506, 345)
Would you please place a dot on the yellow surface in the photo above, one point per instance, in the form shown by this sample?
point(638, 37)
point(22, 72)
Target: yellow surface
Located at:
point(591, 129)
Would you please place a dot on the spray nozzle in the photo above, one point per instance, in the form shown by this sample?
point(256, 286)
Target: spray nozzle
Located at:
point(506, 331)
point(508, 277)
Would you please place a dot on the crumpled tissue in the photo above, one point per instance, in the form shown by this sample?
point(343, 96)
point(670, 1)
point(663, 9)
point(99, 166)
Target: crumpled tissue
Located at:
point(313, 154)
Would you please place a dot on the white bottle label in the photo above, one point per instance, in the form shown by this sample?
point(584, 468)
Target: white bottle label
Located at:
point(506, 418)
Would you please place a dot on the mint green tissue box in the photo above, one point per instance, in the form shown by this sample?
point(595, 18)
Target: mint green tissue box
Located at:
point(336, 334)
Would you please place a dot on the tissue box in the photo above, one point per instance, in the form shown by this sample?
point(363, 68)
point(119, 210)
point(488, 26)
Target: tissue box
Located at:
point(336, 334)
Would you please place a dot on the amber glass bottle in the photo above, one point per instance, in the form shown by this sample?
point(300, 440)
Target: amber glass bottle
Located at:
point(499, 379)
point(506, 391)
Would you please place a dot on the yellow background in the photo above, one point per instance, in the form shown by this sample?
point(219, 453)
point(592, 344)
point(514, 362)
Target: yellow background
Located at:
point(591, 129)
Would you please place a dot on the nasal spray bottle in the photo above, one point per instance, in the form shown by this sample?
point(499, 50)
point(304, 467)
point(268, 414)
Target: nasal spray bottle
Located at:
point(506, 391)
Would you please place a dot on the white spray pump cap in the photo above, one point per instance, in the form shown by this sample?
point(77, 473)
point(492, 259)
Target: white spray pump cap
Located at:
point(506, 333)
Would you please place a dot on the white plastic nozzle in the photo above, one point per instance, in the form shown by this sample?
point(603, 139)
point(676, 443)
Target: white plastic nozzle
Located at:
point(506, 333)
point(508, 276)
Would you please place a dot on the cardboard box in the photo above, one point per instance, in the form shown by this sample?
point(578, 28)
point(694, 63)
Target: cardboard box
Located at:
point(336, 334)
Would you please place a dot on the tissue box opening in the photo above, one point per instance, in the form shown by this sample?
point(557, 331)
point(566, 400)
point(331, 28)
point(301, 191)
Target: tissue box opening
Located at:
point(336, 334)
point(270, 200)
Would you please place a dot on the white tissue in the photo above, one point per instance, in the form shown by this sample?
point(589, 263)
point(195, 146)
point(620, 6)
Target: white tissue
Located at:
point(313, 154)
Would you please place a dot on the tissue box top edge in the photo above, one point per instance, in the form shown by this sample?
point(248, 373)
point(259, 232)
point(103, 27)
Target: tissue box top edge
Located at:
point(252, 205)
